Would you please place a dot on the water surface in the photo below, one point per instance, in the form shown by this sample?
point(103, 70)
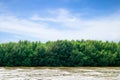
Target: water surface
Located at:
point(59, 73)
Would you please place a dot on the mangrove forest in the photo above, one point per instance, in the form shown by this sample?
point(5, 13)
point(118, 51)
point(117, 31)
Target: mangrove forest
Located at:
point(60, 53)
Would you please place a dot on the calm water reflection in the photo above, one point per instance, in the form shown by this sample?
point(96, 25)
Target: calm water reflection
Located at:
point(59, 73)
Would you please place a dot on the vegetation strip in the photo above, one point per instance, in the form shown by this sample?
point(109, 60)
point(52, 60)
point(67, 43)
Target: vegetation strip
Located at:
point(60, 53)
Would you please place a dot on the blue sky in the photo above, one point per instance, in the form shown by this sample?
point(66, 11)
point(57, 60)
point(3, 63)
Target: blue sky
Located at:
point(59, 19)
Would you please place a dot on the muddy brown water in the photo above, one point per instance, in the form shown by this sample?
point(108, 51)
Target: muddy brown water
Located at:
point(59, 73)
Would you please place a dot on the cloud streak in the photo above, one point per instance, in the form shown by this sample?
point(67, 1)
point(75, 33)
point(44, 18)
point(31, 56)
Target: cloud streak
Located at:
point(73, 27)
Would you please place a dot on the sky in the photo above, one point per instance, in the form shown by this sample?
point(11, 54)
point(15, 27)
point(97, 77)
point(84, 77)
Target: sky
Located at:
point(50, 20)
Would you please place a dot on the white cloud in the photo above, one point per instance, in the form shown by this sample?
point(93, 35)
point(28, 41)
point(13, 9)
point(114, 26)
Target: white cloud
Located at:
point(63, 17)
point(104, 28)
point(26, 27)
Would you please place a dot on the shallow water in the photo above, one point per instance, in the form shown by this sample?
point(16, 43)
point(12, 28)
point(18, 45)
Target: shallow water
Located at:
point(59, 73)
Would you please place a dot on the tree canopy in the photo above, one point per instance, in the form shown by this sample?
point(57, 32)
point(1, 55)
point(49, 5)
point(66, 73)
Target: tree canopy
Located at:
point(60, 53)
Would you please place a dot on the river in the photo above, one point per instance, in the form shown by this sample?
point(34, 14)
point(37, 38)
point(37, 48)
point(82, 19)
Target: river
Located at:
point(59, 73)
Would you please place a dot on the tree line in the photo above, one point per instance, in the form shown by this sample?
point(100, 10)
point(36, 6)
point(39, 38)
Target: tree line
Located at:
point(60, 53)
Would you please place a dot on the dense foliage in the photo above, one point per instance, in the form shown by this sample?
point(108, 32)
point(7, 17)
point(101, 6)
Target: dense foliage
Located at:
point(60, 53)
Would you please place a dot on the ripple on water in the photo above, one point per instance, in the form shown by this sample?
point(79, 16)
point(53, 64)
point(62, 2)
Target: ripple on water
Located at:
point(59, 73)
